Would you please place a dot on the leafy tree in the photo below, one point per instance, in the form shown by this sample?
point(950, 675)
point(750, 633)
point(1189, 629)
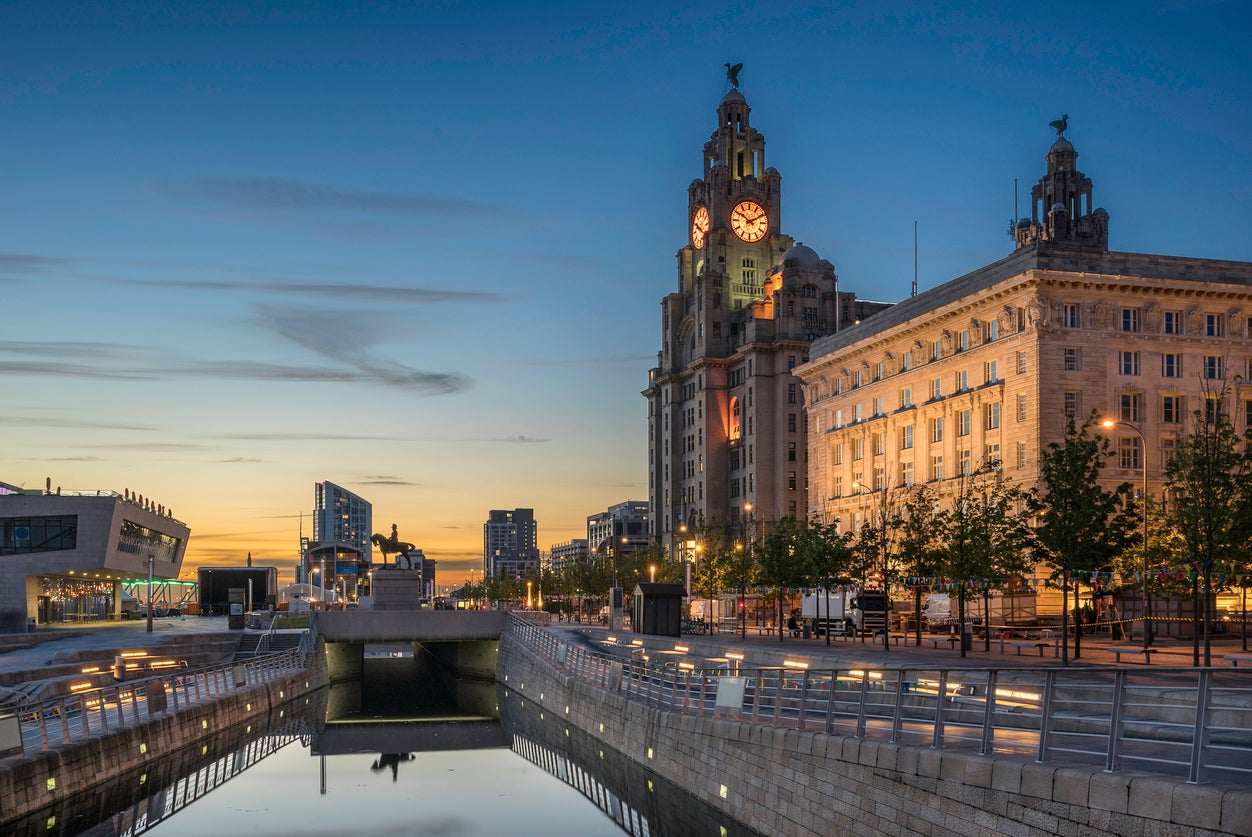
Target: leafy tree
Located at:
point(986, 534)
point(919, 552)
point(1082, 526)
point(1209, 480)
point(710, 574)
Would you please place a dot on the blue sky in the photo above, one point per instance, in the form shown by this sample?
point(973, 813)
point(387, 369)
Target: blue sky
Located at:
point(418, 249)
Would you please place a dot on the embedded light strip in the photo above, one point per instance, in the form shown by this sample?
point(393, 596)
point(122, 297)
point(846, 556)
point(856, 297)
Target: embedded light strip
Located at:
point(795, 664)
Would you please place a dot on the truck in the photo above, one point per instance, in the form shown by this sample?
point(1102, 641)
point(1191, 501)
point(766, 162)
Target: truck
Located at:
point(845, 612)
point(1009, 610)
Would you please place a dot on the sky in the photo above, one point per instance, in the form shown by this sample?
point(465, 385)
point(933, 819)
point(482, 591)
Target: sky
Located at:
point(418, 249)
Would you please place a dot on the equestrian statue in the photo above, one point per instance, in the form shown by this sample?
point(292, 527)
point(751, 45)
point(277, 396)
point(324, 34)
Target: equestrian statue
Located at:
point(393, 545)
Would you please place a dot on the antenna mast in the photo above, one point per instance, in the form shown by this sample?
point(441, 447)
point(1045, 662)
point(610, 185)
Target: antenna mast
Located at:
point(914, 259)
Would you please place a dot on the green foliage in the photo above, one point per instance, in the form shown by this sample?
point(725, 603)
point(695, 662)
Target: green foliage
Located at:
point(1082, 526)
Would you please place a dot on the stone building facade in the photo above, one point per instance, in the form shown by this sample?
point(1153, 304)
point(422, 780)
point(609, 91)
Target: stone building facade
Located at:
point(725, 412)
point(989, 366)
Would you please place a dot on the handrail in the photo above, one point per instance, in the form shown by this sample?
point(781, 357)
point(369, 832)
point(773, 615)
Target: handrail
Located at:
point(77, 717)
point(1192, 723)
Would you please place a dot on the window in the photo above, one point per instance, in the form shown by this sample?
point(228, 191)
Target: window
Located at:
point(1070, 317)
point(856, 412)
point(1171, 365)
point(791, 451)
point(880, 443)
point(1213, 367)
point(838, 454)
point(791, 362)
point(1073, 405)
point(791, 393)
point(858, 449)
point(962, 381)
point(963, 345)
point(906, 362)
point(936, 467)
point(1130, 319)
point(906, 472)
point(963, 422)
point(878, 406)
point(1214, 325)
point(990, 375)
point(860, 378)
point(1128, 363)
point(993, 331)
point(838, 419)
point(878, 371)
point(906, 398)
point(1021, 455)
point(906, 436)
point(1172, 409)
point(936, 350)
point(838, 488)
point(1021, 363)
point(1021, 408)
point(880, 479)
point(936, 388)
point(1128, 452)
point(991, 414)
point(991, 455)
point(1073, 359)
point(1131, 406)
point(1247, 413)
point(936, 429)
point(1211, 410)
point(964, 463)
point(791, 480)
point(1172, 322)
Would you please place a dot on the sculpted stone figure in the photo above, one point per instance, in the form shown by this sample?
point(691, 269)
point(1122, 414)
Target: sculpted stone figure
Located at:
point(392, 545)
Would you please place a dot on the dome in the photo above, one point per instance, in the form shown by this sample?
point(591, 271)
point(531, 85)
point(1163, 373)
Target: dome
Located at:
point(803, 256)
point(1058, 207)
point(1061, 144)
point(735, 97)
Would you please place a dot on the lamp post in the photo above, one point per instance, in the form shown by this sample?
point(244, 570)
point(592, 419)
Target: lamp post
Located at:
point(1143, 461)
point(741, 557)
point(314, 572)
point(652, 573)
point(529, 600)
point(151, 558)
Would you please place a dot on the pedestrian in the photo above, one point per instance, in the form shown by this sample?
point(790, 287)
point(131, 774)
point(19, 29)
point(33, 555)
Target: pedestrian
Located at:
point(793, 627)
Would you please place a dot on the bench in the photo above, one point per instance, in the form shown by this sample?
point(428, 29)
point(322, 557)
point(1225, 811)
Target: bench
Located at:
point(1030, 643)
point(935, 640)
point(1235, 659)
point(1118, 650)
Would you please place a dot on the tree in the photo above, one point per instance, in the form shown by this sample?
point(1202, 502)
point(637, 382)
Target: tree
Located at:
point(918, 549)
point(987, 535)
point(1209, 479)
point(1082, 526)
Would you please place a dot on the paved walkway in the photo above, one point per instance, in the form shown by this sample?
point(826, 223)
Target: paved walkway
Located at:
point(842, 651)
point(112, 636)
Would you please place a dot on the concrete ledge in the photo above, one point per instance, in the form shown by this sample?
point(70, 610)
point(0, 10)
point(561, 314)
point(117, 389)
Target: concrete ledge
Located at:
point(1237, 812)
point(1072, 785)
point(1110, 792)
point(1197, 805)
point(1037, 780)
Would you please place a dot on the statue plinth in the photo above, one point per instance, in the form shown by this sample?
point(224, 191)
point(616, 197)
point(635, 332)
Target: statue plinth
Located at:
point(397, 589)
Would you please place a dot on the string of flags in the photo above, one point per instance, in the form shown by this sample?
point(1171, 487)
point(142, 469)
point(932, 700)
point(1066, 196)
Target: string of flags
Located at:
point(936, 584)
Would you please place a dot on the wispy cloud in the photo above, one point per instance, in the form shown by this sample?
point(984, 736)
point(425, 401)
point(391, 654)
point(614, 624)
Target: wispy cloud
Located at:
point(626, 360)
point(75, 424)
point(388, 294)
point(239, 459)
point(27, 263)
point(277, 194)
point(386, 481)
point(340, 336)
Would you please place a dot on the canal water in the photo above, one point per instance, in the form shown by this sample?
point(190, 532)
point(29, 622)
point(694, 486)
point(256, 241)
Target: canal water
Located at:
point(336, 763)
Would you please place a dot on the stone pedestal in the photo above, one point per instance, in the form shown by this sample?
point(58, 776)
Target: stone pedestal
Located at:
point(397, 589)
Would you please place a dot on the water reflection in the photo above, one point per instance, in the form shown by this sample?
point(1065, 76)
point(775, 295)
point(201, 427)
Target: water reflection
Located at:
point(351, 772)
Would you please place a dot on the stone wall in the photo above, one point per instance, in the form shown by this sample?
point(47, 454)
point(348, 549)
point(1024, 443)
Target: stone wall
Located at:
point(41, 779)
point(783, 781)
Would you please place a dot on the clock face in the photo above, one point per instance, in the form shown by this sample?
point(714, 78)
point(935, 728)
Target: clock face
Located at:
point(699, 227)
point(749, 221)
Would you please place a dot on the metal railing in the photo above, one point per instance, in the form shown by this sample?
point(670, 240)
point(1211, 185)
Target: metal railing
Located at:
point(89, 713)
point(1189, 722)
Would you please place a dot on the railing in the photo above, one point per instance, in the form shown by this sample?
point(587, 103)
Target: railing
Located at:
point(78, 717)
point(1188, 722)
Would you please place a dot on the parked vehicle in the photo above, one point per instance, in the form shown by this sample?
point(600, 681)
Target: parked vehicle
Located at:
point(1008, 610)
point(846, 613)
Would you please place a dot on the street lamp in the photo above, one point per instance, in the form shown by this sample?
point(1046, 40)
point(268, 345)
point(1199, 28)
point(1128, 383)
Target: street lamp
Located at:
point(1143, 461)
point(529, 601)
point(652, 573)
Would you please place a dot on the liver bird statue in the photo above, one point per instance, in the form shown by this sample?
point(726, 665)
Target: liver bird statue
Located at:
point(1061, 125)
point(732, 74)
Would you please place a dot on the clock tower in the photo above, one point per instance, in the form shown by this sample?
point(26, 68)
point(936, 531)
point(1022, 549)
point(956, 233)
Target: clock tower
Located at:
point(726, 415)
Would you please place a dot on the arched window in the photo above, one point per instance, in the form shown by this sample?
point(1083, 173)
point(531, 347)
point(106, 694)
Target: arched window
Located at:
point(734, 419)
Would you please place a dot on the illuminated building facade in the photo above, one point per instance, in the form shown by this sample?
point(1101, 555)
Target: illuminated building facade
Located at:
point(725, 411)
point(339, 516)
point(65, 555)
point(990, 366)
point(510, 543)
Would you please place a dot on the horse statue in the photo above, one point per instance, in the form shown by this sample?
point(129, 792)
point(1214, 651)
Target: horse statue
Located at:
point(393, 545)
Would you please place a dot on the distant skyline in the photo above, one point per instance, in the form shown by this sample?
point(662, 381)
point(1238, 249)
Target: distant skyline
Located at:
point(418, 250)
